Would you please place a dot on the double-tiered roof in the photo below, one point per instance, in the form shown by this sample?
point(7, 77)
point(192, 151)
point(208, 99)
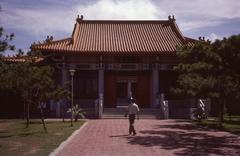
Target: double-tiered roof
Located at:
point(118, 37)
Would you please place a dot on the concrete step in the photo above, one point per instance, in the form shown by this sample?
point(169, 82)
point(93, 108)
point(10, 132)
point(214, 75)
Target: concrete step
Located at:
point(145, 113)
point(123, 110)
point(122, 117)
point(118, 117)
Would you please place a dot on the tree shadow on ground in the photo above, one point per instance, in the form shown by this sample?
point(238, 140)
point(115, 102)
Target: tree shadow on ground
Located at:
point(6, 136)
point(184, 126)
point(178, 120)
point(25, 134)
point(4, 131)
point(184, 142)
point(2, 121)
point(15, 135)
point(40, 122)
point(116, 136)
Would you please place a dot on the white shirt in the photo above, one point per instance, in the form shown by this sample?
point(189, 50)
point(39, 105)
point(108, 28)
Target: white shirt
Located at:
point(133, 108)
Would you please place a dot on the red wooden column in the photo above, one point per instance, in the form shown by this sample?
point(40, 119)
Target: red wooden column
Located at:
point(155, 87)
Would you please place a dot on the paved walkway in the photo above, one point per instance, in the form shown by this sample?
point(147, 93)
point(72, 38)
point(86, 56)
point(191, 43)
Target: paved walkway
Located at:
point(154, 138)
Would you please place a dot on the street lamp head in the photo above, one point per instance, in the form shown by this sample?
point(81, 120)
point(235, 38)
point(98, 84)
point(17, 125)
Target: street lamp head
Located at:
point(72, 71)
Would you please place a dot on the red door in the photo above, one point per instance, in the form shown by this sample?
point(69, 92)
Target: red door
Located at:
point(110, 90)
point(143, 90)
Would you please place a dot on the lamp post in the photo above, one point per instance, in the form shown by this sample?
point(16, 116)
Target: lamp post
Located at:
point(72, 74)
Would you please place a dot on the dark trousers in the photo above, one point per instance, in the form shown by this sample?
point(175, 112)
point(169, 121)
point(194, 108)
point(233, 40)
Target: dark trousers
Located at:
point(131, 124)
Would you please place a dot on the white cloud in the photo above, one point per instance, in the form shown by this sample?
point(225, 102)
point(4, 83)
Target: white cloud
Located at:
point(202, 8)
point(213, 37)
point(125, 9)
point(194, 14)
point(196, 24)
point(190, 14)
point(39, 21)
point(50, 19)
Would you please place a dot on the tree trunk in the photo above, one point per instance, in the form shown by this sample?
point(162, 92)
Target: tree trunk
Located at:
point(26, 99)
point(28, 115)
point(221, 113)
point(62, 112)
point(42, 118)
point(24, 109)
point(76, 117)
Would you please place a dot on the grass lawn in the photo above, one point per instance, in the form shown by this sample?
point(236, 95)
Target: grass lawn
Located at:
point(15, 139)
point(230, 125)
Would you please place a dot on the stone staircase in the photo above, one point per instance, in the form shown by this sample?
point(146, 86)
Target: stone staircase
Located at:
point(118, 113)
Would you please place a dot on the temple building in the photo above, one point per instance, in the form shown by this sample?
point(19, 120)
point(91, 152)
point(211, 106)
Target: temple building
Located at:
point(117, 59)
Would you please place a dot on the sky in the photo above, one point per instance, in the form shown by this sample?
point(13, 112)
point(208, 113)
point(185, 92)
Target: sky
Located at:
point(33, 20)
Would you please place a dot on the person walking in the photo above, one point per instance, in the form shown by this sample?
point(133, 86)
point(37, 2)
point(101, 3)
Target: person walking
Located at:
point(132, 112)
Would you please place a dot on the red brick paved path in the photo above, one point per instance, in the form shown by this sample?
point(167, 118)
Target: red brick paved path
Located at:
point(154, 138)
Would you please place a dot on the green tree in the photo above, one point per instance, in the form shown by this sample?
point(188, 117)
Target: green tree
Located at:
point(34, 83)
point(210, 71)
point(62, 94)
point(197, 70)
point(45, 89)
point(229, 75)
point(5, 38)
point(16, 77)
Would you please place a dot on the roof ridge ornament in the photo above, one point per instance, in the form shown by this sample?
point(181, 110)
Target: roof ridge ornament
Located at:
point(79, 19)
point(171, 18)
point(200, 38)
point(203, 40)
point(49, 39)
